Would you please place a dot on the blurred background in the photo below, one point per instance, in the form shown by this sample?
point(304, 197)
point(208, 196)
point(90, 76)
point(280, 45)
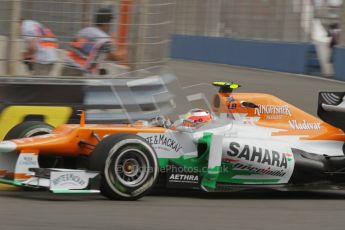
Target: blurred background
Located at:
point(296, 36)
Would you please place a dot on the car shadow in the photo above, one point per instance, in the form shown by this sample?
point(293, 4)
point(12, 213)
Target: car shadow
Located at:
point(47, 196)
point(190, 194)
point(257, 194)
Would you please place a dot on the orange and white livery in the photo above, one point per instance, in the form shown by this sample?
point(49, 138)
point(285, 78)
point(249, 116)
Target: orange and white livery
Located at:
point(248, 141)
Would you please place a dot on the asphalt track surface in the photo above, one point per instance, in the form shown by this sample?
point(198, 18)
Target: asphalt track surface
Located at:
point(189, 210)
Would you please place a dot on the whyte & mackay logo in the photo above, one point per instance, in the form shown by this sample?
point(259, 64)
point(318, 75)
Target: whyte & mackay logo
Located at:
point(164, 141)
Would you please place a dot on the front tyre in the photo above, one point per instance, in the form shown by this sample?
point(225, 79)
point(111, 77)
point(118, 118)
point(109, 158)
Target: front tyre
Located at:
point(29, 129)
point(128, 166)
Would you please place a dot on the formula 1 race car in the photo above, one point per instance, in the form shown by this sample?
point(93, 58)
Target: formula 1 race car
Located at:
point(249, 141)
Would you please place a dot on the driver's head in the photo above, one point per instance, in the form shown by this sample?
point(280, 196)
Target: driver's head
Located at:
point(198, 116)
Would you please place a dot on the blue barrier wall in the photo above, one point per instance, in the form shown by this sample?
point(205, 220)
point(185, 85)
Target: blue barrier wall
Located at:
point(277, 56)
point(339, 63)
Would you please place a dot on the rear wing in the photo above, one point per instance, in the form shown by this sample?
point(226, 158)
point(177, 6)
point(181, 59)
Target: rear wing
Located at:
point(331, 108)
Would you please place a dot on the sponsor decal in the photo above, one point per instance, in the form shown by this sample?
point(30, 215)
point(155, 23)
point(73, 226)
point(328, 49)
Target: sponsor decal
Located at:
point(26, 161)
point(230, 99)
point(67, 179)
point(232, 106)
point(164, 142)
point(258, 155)
point(184, 178)
point(274, 117)
point(180, 177)
point(288, 156)
point(273, 110)
point(263, 171)
point(29, 160)
point(250, 120)
point(304, 125)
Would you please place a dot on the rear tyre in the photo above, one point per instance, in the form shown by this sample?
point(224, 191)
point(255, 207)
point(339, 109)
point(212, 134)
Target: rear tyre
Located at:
point(29, 129)
point(128, 166)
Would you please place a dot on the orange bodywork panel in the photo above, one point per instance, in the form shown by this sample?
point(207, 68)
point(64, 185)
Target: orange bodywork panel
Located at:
point(278, 114)
point(75, 140)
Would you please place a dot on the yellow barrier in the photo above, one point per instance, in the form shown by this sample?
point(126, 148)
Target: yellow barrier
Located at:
point(5, 187)
point(14, 115)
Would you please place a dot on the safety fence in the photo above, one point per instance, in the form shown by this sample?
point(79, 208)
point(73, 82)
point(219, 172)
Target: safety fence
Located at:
point(277, 20)
point(269, 34)
point(277, 31)
point(140, 29)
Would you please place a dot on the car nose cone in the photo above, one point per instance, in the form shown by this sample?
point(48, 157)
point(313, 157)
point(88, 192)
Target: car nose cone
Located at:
point(7, 146)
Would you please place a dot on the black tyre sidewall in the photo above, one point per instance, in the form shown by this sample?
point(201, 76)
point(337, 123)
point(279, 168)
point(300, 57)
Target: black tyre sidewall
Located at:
point(101, 158)
point(20, 130)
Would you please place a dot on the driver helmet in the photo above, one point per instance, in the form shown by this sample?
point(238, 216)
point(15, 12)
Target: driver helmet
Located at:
point(198, 116)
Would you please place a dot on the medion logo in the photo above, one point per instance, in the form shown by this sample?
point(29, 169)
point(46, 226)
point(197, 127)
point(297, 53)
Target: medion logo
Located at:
point(273, 109)
point(257, 154)
point(28, 161)
point(304, 125)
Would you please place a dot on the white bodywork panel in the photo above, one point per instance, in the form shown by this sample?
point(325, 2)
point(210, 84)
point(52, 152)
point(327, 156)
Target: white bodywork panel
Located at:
point(266, 160)
point(25, 161)
point(63, 179)
point(215, 156)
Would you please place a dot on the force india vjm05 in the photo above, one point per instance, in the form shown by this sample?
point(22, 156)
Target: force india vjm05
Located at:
point(250, 141)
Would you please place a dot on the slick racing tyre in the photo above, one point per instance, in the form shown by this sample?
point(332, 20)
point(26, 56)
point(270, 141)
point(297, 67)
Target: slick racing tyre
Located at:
point(32, 129)
point(29, 129)
point(128, 166)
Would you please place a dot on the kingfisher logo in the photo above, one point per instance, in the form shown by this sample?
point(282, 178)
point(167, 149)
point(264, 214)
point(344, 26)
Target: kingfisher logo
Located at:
point(258, 154)
point(273, 110)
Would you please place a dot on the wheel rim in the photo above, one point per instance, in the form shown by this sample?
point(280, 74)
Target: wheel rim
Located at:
point(131, 167)
point(37, 132)
point(145, 184)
